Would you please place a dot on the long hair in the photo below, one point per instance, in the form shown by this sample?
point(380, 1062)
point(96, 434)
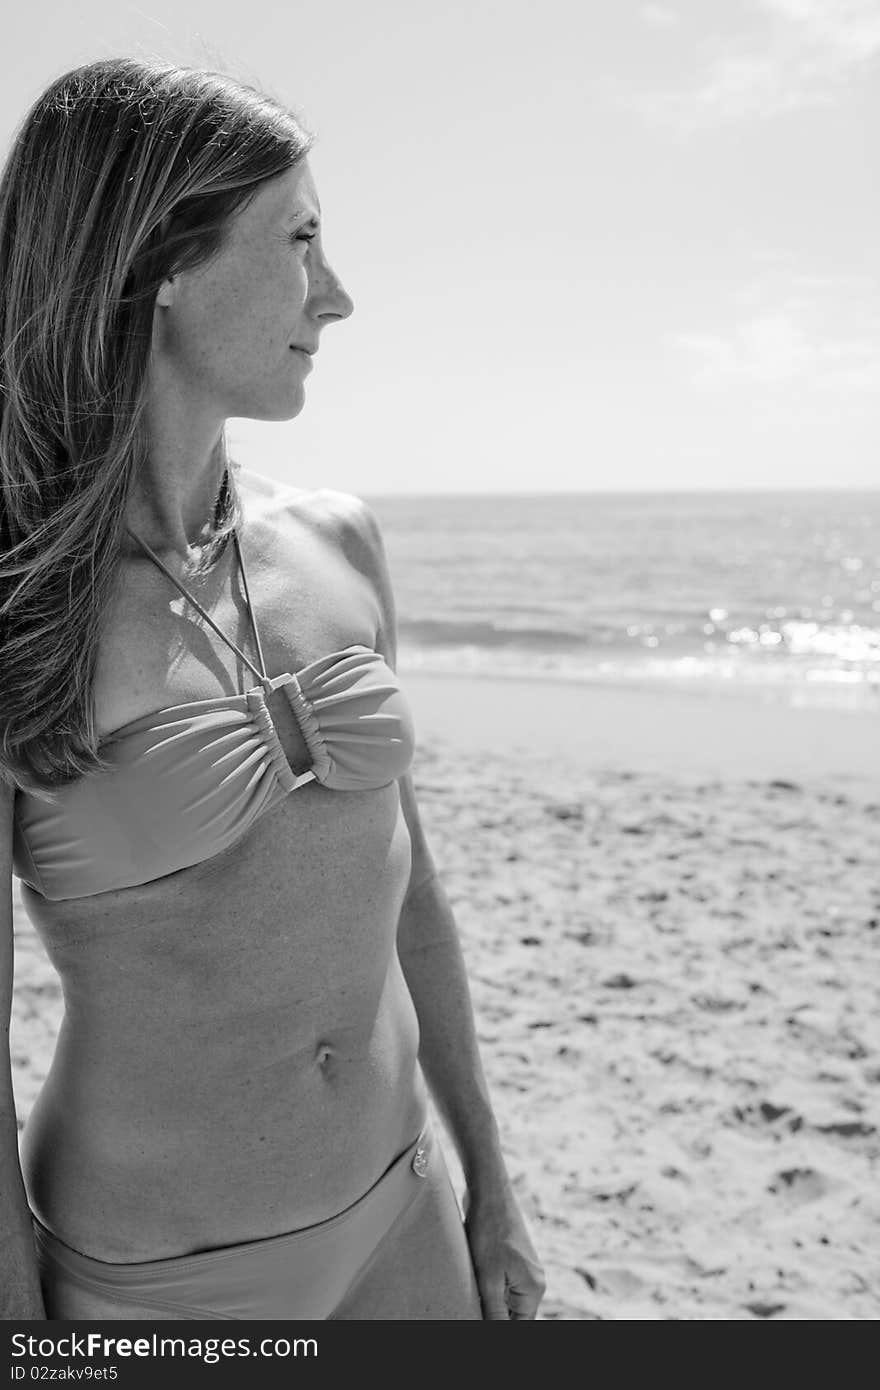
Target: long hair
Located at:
point(122, 173)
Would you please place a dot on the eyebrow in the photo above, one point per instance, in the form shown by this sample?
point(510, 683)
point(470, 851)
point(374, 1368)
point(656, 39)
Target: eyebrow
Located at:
point(312, 219)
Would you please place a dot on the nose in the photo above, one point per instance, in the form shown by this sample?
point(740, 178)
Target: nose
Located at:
point(333, 300)
point(342, 306)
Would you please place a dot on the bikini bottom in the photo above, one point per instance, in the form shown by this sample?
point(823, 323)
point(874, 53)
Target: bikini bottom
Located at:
point(303, 1274)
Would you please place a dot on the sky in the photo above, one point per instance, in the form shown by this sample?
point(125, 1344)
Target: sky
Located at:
point(591, 246)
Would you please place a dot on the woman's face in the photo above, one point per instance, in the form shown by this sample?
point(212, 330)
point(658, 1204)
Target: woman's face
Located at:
point(232, 336)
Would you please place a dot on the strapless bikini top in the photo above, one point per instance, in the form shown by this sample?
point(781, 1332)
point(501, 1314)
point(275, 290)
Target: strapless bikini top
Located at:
point(186, 781)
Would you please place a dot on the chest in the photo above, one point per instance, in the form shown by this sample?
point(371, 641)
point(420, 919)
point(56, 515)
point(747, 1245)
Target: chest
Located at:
point(158, 650)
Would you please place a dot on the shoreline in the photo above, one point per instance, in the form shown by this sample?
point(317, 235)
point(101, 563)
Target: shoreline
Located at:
point(614, 728)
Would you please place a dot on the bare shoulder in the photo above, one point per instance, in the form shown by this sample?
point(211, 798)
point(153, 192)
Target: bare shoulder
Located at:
point(350, 526)
point(352, 523)
point(323, 508)
point(264, 494)
point(340, 521)
point(342, 518)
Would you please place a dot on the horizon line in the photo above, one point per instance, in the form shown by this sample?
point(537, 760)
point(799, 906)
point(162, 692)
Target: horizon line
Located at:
point(634, 492)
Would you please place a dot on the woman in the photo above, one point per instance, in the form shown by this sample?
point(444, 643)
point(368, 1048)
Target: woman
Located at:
point(205, 756)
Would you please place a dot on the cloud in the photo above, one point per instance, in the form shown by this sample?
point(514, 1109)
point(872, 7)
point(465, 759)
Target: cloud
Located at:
point(767, 348)
point(848, 30)
point(774, 348)
point(808, 53)
point(658, 16)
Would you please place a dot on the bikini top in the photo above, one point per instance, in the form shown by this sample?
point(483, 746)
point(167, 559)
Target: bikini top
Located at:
point(186, 781)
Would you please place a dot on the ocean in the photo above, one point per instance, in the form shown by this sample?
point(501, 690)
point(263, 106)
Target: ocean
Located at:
point(777, 594)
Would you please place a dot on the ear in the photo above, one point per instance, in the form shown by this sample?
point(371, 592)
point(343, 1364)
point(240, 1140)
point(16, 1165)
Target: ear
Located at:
point(167, 292)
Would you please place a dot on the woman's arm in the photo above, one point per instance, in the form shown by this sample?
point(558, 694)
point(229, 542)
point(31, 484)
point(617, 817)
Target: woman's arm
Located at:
point(509, 1277)
point(432, 961)
point(20, 1295)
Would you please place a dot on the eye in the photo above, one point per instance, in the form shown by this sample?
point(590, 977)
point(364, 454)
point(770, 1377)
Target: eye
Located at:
point(303, 236)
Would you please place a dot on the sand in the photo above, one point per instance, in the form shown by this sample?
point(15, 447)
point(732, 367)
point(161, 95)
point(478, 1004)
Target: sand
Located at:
point(670, 911)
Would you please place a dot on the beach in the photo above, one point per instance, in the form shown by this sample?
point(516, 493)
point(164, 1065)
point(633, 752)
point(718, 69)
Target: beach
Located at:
point(670, 912)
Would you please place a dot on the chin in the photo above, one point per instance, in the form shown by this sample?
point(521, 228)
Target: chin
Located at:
point(275, 411)
point(289, 412)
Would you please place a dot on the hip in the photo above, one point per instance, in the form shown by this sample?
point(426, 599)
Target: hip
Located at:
point(122, 1190)
point(301, 1274)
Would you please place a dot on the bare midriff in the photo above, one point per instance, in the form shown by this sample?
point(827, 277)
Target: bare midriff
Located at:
point(239, 1051)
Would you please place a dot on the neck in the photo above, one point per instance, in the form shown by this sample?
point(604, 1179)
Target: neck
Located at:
point(173, 501)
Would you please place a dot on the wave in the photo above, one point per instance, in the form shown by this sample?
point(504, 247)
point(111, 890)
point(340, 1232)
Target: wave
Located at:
point(846, 645)
point(798, 681)
point(486, 633)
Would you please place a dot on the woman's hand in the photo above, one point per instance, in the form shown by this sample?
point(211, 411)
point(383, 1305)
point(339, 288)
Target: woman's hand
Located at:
point(509, 1276)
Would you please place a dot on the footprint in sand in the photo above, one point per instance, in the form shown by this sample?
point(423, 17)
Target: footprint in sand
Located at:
point(800, 1184)
point(762, 1309)
point(615, 1282)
